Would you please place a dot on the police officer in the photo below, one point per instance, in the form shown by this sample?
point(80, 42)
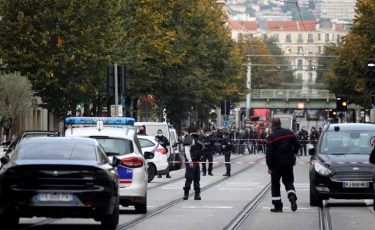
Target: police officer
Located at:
point(193, 153)
point(164, 142)
point(227, 147)
point(209, 148)
point(282, 146)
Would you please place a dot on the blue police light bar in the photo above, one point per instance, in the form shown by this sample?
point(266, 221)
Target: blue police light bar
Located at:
point(94, 120)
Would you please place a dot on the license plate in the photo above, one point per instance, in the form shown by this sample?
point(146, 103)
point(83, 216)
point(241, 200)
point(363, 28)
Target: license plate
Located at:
point(64, 197)
point(355, 184)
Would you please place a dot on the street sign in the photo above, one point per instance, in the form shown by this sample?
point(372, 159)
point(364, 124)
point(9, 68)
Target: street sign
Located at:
point(225, 124)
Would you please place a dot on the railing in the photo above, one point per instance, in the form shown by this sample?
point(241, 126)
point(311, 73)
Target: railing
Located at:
point(291, 94)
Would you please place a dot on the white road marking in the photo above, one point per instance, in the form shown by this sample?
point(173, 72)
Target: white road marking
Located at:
point(236, 189)
point(288, 207)
point(207, 207)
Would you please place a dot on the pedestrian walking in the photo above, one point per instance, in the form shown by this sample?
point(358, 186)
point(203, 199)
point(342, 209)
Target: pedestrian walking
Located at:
point(164, 142)
point(227, 148)
point(208, 149)
point(282, 146)
point(193, 153)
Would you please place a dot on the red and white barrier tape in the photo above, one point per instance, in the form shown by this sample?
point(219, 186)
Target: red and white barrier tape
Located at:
point(263, 162)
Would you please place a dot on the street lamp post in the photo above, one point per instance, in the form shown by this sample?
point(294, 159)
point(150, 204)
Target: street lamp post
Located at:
point(248, 96)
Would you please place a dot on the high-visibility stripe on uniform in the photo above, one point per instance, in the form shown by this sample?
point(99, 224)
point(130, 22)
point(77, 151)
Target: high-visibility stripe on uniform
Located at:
point(291, 191)
point(279, 138)
point(276, 198)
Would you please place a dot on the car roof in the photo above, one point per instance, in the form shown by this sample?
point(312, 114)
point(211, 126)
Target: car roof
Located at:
point(125, 133)
point(352, 126)
point(151, 123)
point(76, 140)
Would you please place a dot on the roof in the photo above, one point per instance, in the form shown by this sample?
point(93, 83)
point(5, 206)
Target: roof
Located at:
point(353, 126)
point(235, 25)
point(76, 140)
point(125, 133)
point(250, 25)
point(339, 28)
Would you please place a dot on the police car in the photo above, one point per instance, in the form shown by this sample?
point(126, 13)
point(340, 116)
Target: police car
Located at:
point(118, 138)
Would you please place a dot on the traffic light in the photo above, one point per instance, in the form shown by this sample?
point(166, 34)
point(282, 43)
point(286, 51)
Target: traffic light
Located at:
point(121, 79)
point(342, 103)
point(332, 114)
point(225, 107)
point(370, 75)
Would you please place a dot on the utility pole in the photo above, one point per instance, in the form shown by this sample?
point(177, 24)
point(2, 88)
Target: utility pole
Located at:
point(116, 91)
point(248, 96)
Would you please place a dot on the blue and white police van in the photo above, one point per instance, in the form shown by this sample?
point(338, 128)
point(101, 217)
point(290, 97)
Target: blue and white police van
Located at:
point(118, 138)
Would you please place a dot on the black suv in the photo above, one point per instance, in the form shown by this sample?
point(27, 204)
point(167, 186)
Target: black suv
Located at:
point(340, 167)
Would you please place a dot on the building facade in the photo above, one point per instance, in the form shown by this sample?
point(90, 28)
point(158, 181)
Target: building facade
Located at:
point(303, 42)
point(336, 9)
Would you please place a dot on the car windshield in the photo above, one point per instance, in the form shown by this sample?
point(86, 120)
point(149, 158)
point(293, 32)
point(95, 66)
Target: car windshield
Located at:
point(115, 146)
point(347, 142)
point(56, 151)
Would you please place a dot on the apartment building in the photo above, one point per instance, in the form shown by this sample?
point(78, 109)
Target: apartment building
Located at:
point(302, 41)
point(336, 9)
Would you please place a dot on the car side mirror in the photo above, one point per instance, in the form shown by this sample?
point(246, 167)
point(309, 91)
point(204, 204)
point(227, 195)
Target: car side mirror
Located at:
point(4, 160)
point(115, 162)
point(149, 155)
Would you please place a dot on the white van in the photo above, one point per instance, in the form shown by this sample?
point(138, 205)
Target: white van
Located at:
point(151, 129)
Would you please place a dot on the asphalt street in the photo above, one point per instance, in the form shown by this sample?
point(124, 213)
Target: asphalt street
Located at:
point(223, 201)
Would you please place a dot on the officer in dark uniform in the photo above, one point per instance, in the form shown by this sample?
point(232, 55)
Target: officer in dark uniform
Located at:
point(164, 142)
point(227, 148)
point(193, 153)
point(282, 146)
point(209, 148)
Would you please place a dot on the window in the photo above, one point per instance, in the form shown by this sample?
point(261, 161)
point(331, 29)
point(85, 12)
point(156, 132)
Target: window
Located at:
point(300, 38)
point(288, 38)
point(115, 146)
point(103, 159)
point(276, 37)
point(300, 65)
point(145, 143)
point(310, 78)
point(299, 50)
point(310, 64)
point(338, 38)
point(288, 49)
point(311, 49)
point(299, 76)
point(239, 37)
point(57, 151)
point(319, 37)
point(319, 50)
point(310, 38)
point(347, 141)
point(327, 37)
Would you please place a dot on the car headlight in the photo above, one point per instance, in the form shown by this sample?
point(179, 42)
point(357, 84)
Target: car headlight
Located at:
point(319, 168)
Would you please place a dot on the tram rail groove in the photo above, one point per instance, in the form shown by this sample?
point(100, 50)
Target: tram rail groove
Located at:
point(248, 209)
point(51, 220)
point(172, 203)
point(325, 217)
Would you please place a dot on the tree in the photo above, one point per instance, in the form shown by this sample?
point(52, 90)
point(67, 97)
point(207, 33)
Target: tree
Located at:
point(346, 75)
point(63, 47)
point(325, 61)
point(262, 76)
point(15, 99)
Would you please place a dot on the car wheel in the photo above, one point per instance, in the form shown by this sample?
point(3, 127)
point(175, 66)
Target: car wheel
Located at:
point(110, 222)
point(142, 207)
point(151, 172)
point(315, 200)
point(10, 219)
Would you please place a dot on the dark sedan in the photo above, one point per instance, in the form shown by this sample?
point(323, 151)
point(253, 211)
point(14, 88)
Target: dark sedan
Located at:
point(59, 177)
point(341, 169)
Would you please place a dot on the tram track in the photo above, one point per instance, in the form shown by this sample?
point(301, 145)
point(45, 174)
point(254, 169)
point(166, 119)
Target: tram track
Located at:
point(324, 217)
point(51, 220)
point(248, 209)
point(172, 203)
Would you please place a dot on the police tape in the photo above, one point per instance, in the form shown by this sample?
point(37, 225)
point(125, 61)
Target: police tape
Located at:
point(263, 162)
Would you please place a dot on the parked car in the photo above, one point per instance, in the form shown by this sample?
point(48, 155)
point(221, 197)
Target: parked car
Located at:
point(338, 169)
point(159, 164)
point(59, 178)
point(118, 138)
